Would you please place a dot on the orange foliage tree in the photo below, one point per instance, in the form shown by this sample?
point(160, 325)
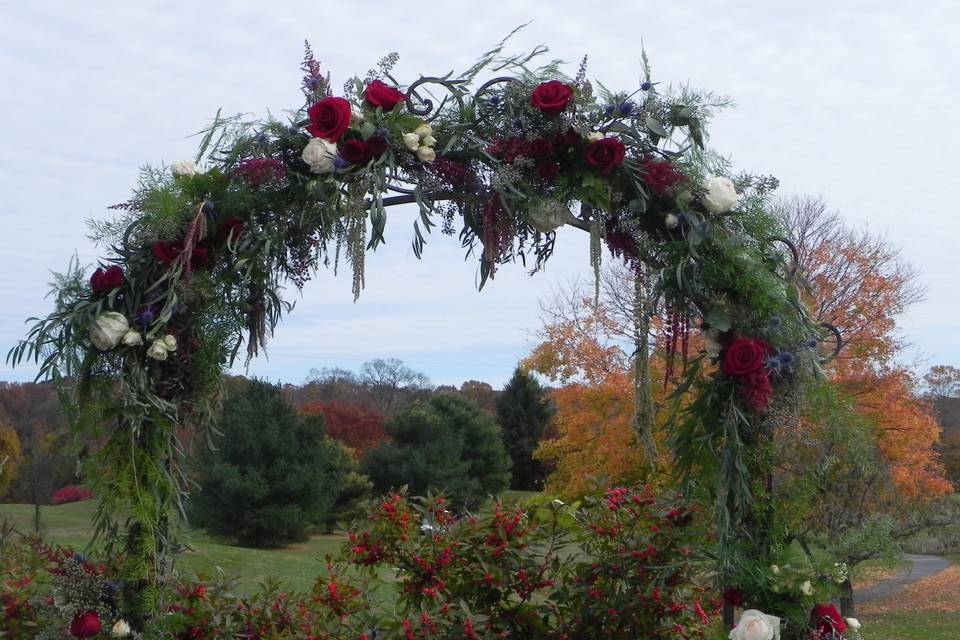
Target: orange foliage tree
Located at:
point(859, 282)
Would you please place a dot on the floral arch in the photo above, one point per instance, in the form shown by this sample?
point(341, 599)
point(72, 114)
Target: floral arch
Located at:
point(198, 257)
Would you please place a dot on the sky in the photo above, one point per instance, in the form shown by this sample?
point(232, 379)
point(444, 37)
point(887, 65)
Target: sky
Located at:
point(854, 101)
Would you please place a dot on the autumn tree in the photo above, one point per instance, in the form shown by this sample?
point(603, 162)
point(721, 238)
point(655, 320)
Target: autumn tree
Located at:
point(523, 412)
point(943, 381)
point(359, 428)
point(10, 457)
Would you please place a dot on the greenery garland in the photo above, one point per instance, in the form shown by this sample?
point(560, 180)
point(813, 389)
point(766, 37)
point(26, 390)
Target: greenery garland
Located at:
point(201, 252)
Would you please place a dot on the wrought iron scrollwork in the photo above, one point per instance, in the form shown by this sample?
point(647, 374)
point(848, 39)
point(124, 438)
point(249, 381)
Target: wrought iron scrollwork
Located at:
point(424, 106)
point(838, 337)
point(794, 252)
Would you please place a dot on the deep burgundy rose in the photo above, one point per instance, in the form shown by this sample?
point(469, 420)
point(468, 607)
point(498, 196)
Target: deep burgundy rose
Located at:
point(229, 227)
point(199, 258)
point(329, 118)
point(355, 152)
point(166, 252)
point(85, 625)
point(605, 155)
point(563, 142)
point(828, 620)
point(376, 146)
point(744, 356)
point(548, 170)
point(734, 597)
point(540, 148)
point(104, 281)
point(551, 97)
point(509, 149)
point(379, 94)
point(757, 390)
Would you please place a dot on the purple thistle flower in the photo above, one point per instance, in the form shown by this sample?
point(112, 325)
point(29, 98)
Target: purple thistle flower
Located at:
point(146, 316)
point(812, 343)
point(609, 109)
point(773, 364)
point(786, 358)
point(775, 321)
point(626, 108)
point(340, 163)
point(646, 86)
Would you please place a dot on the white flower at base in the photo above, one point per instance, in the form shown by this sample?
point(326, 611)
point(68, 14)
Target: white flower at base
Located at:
point(132, 338)
point(319, 154)
point(806, 588)
point(720, 195)
point(184, 168)
point(108, 329)
point(157, 350)
point(170, 342)
point(774, 569)
point(120, 629)
point(548, 216)
point(428, 141)
point(593, 136)
point(423, 131)
point(411, 141)
point(852, 623)
point(426, 154)
point(756, 625)
point(672, 221)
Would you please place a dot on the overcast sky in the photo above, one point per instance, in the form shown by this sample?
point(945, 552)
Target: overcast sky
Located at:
point(856, 101)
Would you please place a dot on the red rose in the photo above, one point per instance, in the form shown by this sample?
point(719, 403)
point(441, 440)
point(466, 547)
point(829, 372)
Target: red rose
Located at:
point(166, 252)
point(104, 281)
point(605, 155)
point(551, 97)
point(329, 118)
point(548, 170)
point(85, 625)
point(563, 142)
point(734, 597)
point(540, 148)
point(660, 175)
point(744, 356)
point(828, 620)
point(383, 95)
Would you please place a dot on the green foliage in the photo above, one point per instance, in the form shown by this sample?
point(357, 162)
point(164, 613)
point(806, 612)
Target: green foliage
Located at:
point(274, 473)
point(523, 412)
point(444, 444)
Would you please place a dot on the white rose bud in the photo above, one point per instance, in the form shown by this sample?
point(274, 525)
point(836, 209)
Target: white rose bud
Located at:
point(120, 629)
point(170, 342)
point(806, 588)
point(428, 141)
point(108, 329)
point(319, 154)
point(184, 168)
point(157, 350)
point(411, 141)
point(774, 569)
point(423, 131)
point(720, 195)
point(132, 338)
point(426, 154)
point(593, 136)
point(852, 623)
point(756, 625)
point(672, 221)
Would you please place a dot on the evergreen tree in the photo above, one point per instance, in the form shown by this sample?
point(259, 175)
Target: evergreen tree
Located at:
point(273, 475)
point(523, 411)
point(444, 444)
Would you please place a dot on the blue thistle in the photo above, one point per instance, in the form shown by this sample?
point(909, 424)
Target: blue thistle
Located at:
point(775, 322)
point(646, 86)
point(609, 109)
point(626, 108)
point(340, 163)
point(773, 364)
point(812, 343)
point(786, 358)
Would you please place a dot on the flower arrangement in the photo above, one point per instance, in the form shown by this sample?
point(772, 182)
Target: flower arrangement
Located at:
point(202, 249)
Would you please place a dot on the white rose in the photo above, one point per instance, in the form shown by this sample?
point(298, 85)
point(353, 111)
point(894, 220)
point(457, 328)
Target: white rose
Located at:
point(120, 629)
point(423, 131)
point(549, 215)
point(806, 588)
point(428, 141)
point(593, 136)
point(774, 569)
point(756, 625)
point(108, 330)
point(319, 154)
point(672, 221)
point(184, 168)
point(852, 623)
point(720, 195)
point(426, 154)
point(132, 338)
point(411, 141)
point(170, 342)
point(157, 350)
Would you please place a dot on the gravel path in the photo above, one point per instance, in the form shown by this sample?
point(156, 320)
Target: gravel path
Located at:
point(920, 567)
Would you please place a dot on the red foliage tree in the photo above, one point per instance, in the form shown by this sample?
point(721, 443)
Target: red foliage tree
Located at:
point(359, 428)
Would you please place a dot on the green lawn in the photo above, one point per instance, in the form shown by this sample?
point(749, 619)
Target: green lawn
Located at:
point(296, 566)
point(910, 625)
